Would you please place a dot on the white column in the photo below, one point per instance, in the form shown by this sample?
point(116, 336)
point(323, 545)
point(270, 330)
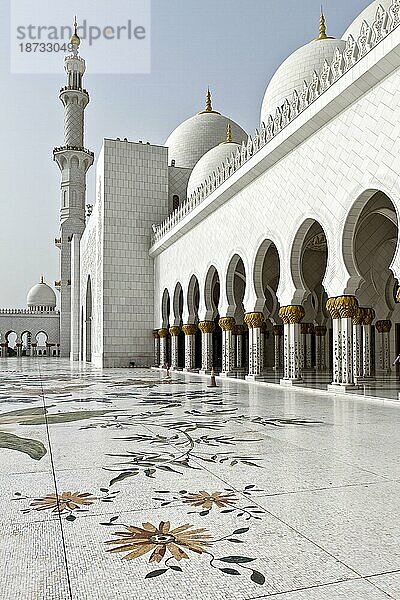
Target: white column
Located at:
point(190, 345)
point(163, 333)
point(346, 326)
point(174, 331)
point(228, 326)
point(383, 328)
point(369, 316)
point(239, 347)
point(156, 338)
point(357, 348)
point(278, 334)
point(207, 355)
point(296, 352)
point(320, 348)
point(337, 350)
point(307, 328)
point(254, 322)
point(286, 351)
point(342, 310)
point(293, 344)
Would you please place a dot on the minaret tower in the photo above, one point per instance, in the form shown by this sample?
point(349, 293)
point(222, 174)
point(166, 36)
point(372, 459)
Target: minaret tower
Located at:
point(74, 161)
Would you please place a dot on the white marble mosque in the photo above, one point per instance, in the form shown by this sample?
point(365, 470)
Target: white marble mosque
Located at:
point(243, 254)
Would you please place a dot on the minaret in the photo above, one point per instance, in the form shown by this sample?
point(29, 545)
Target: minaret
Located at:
point(74, 161)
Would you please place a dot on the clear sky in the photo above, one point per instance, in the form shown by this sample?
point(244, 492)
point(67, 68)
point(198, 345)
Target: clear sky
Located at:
point(233, 46)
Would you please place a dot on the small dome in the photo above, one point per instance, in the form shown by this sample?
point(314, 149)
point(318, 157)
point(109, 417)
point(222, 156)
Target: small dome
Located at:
point(368, 14)
point(41, 295)
point(213, 159)
point(197, 135)
point(296, 69)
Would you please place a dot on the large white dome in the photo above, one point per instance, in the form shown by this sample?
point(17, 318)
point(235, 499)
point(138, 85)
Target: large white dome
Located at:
point(208, 163)
point(368, 14)
point(41, 295)
point(197, 135)
point(296, 69)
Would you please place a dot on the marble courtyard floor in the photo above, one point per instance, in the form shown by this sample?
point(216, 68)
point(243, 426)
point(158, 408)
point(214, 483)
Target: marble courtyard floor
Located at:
point(124, 484)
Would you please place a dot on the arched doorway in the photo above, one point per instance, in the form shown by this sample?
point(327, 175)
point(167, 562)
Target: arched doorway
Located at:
point(180, 338)
point(235, 348)
point(193, 340)
point(309, 259)
point(266, 280)
point(212, 293)
point(370, 245)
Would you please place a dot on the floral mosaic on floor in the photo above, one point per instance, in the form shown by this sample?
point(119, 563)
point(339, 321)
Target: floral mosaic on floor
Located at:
point(162, 431)
point(176, 542)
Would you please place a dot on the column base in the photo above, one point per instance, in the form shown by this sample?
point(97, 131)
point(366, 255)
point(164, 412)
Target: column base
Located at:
point(176, 369)
point(194, 370)
point(291, 382)
point(206, 372)
point(341, 388)
point(259, 377)
point(227, 374)
point(364, 380)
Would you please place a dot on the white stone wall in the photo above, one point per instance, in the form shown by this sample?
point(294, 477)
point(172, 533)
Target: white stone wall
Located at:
point(91, 265)
point(115, 251)
point(343, 148)
point(23, 321)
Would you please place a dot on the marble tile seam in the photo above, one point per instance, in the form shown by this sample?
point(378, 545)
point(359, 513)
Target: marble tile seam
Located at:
point(317, 587)
point(59, 519)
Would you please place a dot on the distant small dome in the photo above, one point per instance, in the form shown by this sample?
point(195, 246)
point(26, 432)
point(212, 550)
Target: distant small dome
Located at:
point(41, 295)
point(213, 159)
point(296, 69)
point(197, 135)
point(368, 14)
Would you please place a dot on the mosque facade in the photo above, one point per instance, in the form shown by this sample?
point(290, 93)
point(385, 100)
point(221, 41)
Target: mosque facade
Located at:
point(239, 253)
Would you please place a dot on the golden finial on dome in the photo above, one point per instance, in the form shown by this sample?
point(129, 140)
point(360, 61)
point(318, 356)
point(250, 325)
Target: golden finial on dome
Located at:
point(208, 101)
point(322, 28)
point(75, 39)
point(209, 108)
point(229, 139)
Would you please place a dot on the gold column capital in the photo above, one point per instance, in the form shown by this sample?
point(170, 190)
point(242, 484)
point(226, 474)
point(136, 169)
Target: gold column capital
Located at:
point(174, 331)
point(398, 295)
point(240, 329)
point(207, 326)
point(368, 315)
point(163, 332)
point(227, 324)
point(332, 308)
point(190, 329)
point(254, 320)
point(320, 330)
point(277, 330)
point(306, 328)
point(358, 317)
point(347, 306)
point(384, 326)
point(292, 314)
point(155, 334)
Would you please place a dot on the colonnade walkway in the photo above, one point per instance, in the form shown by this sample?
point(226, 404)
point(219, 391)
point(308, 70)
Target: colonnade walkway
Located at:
point(128, 483)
